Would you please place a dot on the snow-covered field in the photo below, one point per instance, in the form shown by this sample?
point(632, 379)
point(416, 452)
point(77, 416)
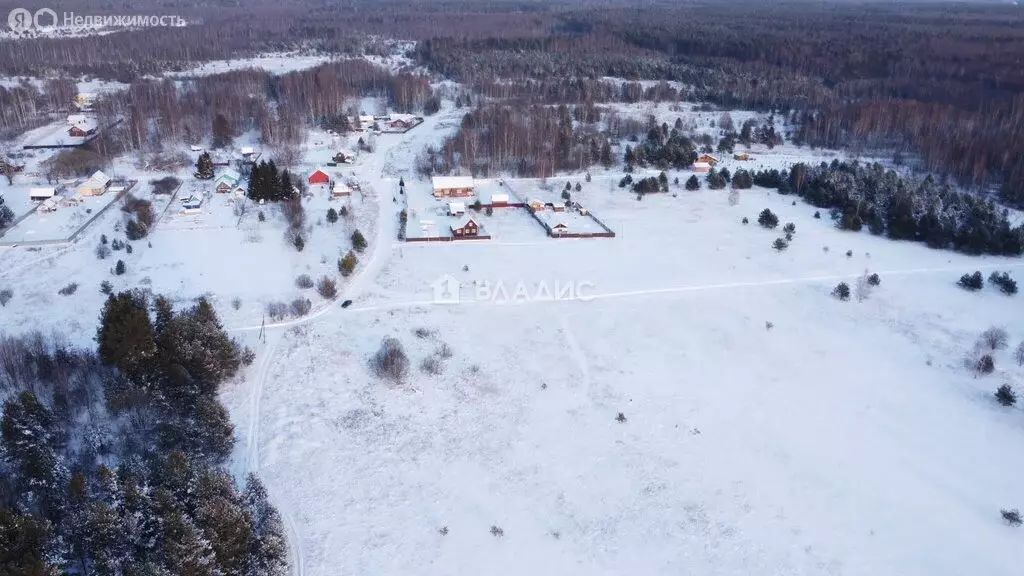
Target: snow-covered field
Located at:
point(849, 438)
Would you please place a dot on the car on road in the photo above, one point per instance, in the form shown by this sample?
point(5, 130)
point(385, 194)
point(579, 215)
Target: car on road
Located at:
point(346, 303)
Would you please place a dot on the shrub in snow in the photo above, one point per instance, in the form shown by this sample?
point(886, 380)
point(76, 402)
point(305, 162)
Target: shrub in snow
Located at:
point(277, 310)
point(431, 365)
point(874, 280)
point(304, 281)
point(327, 288)
point(780, 244)
point(841, 291)
point(106, 287)
point(116, 244)
point(128, 248)
point(358, 242)
point(103, 238)
point(443, 530)
point(849, 253)
point(236, 303)
point(1018, 354)
point(300, 307)
point(817, 215)
point(444, 351)
point(497, 532)
point(971, 281)
point(68, 290)
point(102, 251)
point(390, 361)
point(298, 242)
point(423, 332)
point(332, 215)
point(1005, 395)
point(985, 364)
point(620, 418)
point(789, 228)
point(261, 216)
point(119, 268)
point(1011, 517)
point(5, 296)
point(1006, 284)
point(746, 220)
point(995, 338)
point(734, 197)
point(767, 219)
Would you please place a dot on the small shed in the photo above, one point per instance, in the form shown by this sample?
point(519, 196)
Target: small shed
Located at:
point(41, 194)
point(701, 167)
point(499, 199)
point(456, 208)
point(560, 228)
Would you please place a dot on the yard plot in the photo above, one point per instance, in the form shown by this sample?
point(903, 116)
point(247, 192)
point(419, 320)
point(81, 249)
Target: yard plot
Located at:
point(570, 222)
point(60, 224)
point(17, 199)
point(56, 136)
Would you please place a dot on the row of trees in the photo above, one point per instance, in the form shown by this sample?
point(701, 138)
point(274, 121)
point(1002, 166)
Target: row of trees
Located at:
point(928, 210)
point(113, 460)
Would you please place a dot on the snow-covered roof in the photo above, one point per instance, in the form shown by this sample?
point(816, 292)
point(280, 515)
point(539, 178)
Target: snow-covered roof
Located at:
point(456, 206)
point(445, 182)
point(246, 150)
point(231, 176)
point(701, 165)
point(85, 124)
point(76, 118)
point(42, 192)
point(461, 223)
point(99, 178)
point(500, 197)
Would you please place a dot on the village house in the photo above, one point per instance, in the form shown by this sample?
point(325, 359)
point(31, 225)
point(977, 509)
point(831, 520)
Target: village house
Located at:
point(343, 157)
point(85, 100)
point(536, 205)
point(452, 186)
point(559, 228)
point(41, 194)
point(191, 205)
point(499, 200)
point(227, 181)
point(83, 128)
point(701, 167)
point(708, 159)
point(456, 208)
point(318, 177)
point(467, 228)
point(400, 124)
point(741, 156)
point(96, 185)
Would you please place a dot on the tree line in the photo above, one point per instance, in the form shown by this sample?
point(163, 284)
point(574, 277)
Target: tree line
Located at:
point(112, 460)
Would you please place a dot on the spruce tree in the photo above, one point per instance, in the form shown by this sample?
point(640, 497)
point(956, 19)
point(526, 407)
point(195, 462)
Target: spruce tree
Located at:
point(693, 183)
point(204, 167)
point(268, 550)
point(125, 335)
point(358, 241)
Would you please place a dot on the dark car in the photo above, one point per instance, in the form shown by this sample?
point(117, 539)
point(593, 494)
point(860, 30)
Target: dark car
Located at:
point(346, 303)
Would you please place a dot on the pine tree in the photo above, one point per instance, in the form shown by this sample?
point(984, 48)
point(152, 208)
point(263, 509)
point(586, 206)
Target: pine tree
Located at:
point(125, 335)
point(358, 242)
point(268, 552)
point(29, 436)
point(347, 264)
point(693, 183)
point(204, 167)
point(606, 155)
point(285, 186)
point(332, 215)
point(24, 542)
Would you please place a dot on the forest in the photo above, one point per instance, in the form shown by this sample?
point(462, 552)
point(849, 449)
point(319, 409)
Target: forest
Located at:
point(936, 83)
point(112, 460)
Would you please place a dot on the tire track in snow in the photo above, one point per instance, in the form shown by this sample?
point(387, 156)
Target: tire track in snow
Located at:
point(251, 460)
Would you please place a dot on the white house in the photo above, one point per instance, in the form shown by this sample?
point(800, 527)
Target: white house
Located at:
point(40, 194)
point(499, 199)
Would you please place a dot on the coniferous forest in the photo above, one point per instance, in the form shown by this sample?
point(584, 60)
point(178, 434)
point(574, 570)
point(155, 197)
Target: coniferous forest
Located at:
point(113, 459)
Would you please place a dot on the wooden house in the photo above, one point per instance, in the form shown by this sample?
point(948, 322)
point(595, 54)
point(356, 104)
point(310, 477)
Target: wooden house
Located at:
point(741, 156)
point(227, 181)
point(96, 185)
point(465, 228)
point(701, 167)
point(560, 228)
point(708, 159)
point(319, 176)
point(41, 194)
point(452, 186)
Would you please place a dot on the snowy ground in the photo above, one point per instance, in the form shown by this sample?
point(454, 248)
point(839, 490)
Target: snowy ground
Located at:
point(848, 439)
